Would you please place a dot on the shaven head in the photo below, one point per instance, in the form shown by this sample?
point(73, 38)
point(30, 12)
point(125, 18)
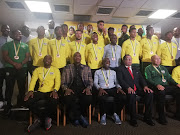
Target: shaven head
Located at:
point(156, 60)
point(77, 58)
point(47, 61)
point(106, 63)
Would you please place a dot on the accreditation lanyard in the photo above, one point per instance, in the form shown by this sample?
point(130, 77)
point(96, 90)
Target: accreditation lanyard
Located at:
point(95, 51)
point(170, 50)
point(133, 47)
point(150, 45)
point(159, 72)
point(106, 79)
point(78, 50)
point(16, 51)
point(58, 47)
point(40, 46)
point(44, 75)
point(82, 39)
point(178, 44)
point(113, 51)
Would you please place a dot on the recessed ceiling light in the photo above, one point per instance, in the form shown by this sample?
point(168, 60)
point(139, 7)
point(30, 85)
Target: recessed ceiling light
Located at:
point(162, 14)
point(39, 6)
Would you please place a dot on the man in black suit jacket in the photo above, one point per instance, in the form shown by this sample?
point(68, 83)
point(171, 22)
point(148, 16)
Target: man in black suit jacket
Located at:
point(132, 83)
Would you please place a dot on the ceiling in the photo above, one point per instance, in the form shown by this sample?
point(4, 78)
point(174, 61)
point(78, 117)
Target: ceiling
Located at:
point(122, 12)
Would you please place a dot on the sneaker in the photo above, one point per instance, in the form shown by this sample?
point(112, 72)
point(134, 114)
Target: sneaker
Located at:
point(76, 123)
point(36, 124)
point(116, 119)
point(83, 122)
point(103, 120)
point(1, 104)
point(48, 124)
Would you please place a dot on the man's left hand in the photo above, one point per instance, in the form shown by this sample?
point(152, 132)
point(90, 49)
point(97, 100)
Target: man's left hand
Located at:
point(87, 91)
point(119, 90)
point(148, 90)
point(54, 95)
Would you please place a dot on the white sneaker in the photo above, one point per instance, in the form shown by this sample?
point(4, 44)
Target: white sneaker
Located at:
point(116, 119)
point(1, 104)
point(103, 120)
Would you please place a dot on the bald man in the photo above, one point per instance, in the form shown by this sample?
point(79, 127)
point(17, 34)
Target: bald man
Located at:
point(43, 102)
point(159, 79)
point(49, 34)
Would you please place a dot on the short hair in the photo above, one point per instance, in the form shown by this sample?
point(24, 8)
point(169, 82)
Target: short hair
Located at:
point(78, 30)
point(148, 27)
point(168, 33)
point(124, 25)
point(94, 33)
point(124, 58)
point(89, 25)
point(57, 27)
point(100, 21)
point(41, 27)
point(132, 29)
point(64, 25)
point(132, 26)
point(71, 28)
point(110, 28)
point(14, 31)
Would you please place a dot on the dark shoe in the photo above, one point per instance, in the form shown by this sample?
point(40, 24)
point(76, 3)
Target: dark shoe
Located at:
point(163, 121)
point(84, 123)
point(48, 124)
point(133, 123)
point(149, 122)
point(36, 124)
point(6, 112)
point(76, 123)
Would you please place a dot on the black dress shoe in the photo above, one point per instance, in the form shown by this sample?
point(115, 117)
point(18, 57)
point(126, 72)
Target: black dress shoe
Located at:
point(149, 122)
point(134, 123)
point(163, 122)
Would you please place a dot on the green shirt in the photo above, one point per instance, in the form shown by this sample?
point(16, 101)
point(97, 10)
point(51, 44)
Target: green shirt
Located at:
point(9, 46)
point(155, 78)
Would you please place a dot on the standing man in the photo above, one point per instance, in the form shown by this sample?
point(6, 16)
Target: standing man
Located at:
point(78, 46)
point(132, 47)
point(124, 35)
point(167, 52)
point(43, 102)
point(90, 29)
point(77, 83)
point(49, 34)
point(176, 72)
point(65, 37)
point(26, 37)
point(38, 48)
point(139, 35)
point(133, 83)
point(162, 83)
point(59, 50)
point(149, 48)
point(5, 29)
point(110, 33)
point(102, 33)
point(113, 52)
point(16, 55)
point(106, 83)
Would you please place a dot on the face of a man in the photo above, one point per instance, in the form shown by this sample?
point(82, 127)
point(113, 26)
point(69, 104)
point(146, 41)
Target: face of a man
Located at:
point(156, 60)
point(113, 39)
point(133, 33)
point(81, 27)
point(51, 24)
point(77, 57)
point(25, 31)
point(110, 32)
point(47, 60)
point(94, 37)
point(90, 28)
point(71, 31)
point(41, 31)
point(150, 32)
point(169, 36)
point(128, 61)
point(140, 31)
point(5, 29)
point(58, 31)
point(100, 26)
point(65, 29)
point(106, 63)
point(124, 29)
point(17, 35)
point(78, 35)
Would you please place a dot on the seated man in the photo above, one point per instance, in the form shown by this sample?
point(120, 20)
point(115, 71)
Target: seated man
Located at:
point(77, 84)
point(106, 83)
point(132, 82)
point(162, 84)
point(43, 102)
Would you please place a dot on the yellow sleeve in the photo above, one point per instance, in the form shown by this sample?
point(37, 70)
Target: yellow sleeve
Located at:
point(175, 75)
point(57, 79)
point(30, 48)
point(102, 52)
point(123, 52)
point(33, 80)
point(159, 50)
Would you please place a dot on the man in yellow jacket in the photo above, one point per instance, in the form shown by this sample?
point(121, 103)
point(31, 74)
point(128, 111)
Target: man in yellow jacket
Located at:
point(43, 102)
point(167, 52)
point(176, 72)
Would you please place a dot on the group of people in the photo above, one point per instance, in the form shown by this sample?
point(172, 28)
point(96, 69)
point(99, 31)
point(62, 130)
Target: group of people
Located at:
point(80, 68)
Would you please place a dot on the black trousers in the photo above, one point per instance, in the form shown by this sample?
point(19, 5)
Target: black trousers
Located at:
point(2, 77)
point(160, 98)
point(13, 74)
point(42, 105)
point(143, 66)
point(148, 101)
point(118, 103)
point(76, 105)
point(94, 90)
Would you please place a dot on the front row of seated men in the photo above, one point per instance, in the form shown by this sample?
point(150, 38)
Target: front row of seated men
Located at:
point(77, 85)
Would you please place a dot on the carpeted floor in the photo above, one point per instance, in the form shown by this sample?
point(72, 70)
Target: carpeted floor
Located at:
point(18, 123)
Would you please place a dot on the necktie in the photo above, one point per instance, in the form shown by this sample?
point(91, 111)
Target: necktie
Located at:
point(132, 78)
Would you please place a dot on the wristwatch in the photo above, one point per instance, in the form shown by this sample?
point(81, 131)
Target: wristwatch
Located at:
point(55, 90)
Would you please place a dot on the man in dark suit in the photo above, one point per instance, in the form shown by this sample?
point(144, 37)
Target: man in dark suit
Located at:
point(134, 84)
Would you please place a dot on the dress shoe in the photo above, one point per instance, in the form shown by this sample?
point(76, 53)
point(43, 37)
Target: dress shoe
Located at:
point(149, 122)
point(134, 123)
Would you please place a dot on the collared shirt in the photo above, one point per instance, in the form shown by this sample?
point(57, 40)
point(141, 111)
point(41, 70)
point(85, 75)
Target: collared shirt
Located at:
point(167, 52)
point(91, 53)
point(108, 53)
point(99, 81)
point(26, 39)
point(52, 80)
point(130, 67)
point(3, 40)
point(176, 74)
point(177, 42)
point(35, 50)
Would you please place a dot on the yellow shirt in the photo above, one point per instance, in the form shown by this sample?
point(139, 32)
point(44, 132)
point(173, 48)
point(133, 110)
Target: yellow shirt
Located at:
point(93, 51)
point(167, 53)
point(60, 56)
point(67, 39)
point(72, 38)
point(149, 48)
point(77, 47)
point(52, 79)
point(176, 74)
point(38, 51)
point(134, 52)
point(138, 38)
point(103, 39)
